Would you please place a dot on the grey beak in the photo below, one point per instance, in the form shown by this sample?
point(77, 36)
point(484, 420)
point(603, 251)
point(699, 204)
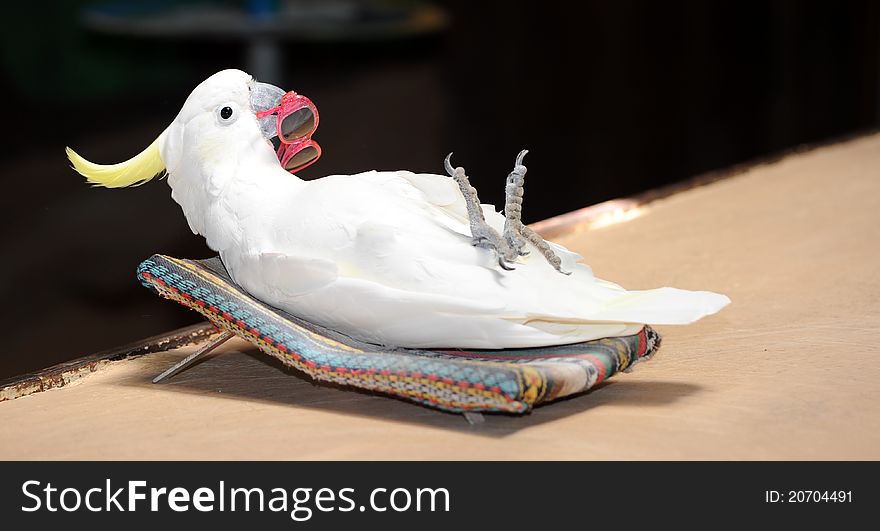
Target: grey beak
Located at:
point(265, 96)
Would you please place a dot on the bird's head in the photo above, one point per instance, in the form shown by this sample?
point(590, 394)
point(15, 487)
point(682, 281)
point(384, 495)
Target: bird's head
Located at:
point(216, 124)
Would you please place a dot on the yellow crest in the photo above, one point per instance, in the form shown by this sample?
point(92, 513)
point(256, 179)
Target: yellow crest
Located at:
point(134, 172)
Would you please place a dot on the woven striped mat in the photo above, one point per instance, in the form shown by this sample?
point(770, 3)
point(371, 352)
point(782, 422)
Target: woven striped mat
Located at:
point(509, 380)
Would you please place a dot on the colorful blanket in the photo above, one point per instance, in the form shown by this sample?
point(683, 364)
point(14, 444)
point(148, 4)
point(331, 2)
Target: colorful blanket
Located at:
point(510, 380)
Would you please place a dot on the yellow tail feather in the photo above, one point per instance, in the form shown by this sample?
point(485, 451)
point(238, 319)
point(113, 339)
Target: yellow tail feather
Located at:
point(134, 172)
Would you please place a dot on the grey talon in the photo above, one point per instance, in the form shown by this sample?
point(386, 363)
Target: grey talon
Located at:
point(503, 265)
point(447, 163)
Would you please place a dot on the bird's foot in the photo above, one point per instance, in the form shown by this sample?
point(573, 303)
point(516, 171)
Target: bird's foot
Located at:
point(515, 233)
point(484, 236)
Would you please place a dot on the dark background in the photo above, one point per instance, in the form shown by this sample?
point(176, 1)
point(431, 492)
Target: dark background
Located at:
point(612, 98)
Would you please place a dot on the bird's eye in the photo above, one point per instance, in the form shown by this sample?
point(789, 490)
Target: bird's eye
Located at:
point(226, 113)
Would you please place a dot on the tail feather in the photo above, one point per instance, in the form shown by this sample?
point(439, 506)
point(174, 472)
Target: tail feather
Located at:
point(662, 306)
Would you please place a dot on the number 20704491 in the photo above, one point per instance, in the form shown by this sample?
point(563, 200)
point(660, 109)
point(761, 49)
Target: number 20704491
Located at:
point(808, 496)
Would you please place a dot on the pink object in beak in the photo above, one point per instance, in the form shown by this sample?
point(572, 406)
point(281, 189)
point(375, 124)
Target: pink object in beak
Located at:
point(296, 121)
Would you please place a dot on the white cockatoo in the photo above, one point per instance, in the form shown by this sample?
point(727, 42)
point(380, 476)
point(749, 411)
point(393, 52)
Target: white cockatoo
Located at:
point(389, 257)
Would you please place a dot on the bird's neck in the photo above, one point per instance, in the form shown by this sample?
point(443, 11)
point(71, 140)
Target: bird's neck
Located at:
point(230, 207)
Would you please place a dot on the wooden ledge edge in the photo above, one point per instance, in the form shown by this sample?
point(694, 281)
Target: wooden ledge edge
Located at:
point(70, 371)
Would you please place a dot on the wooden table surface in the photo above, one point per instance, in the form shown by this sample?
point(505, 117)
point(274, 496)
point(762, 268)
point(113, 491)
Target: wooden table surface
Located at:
point(790, 370)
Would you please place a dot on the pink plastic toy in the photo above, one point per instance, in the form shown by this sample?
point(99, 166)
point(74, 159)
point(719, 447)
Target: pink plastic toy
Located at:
point(296, 122)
